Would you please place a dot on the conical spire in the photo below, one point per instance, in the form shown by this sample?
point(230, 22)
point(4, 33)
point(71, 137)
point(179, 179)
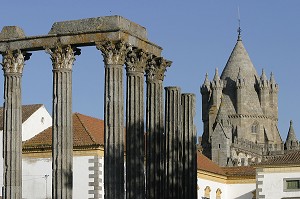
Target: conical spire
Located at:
point(205, 88)
point(239, 64)
point(273, 84)
point(216, 77)
point(264, 83)
point(272, 78)
point(217, 83)
point(291, 137)
point(206, 80)
point(263, 76)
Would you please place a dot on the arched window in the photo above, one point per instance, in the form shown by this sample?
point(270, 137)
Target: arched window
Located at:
point(207, 191)
point(218, 193)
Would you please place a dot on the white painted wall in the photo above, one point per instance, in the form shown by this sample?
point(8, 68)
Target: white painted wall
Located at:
point(34, 181)
point(272, 186)
point(202, 183)
point(36, 123)
point(35, 169)
point(240, 191)
point(229, 191)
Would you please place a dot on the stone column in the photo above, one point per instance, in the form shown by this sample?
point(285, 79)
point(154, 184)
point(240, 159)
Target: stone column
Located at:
point(189, 177)
point(62, 133)
point(154, 127)
point(135, 147)
point(13, 64)
point(114, 54)
point(173, 133)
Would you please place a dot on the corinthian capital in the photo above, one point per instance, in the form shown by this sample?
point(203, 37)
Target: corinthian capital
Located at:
point(14, 62)
point(156, 68)
point(114, 52)
point(63, 57)
point(136, 60)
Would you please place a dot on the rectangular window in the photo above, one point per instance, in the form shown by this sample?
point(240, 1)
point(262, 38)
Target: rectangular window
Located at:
point(291, 184)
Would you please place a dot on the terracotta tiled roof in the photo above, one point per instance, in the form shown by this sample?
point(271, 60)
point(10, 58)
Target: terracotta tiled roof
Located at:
point(239, 171)
point(87, 132)
point(283, 160)
point(205, 164)
point(27, 111)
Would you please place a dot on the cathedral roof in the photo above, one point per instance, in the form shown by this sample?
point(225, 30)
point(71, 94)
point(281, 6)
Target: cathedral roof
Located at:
point(239, 65)
point(291, 134)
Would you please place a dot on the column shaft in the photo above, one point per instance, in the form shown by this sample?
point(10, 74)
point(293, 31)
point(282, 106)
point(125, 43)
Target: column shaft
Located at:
point(189, 146)
point(114, 57)
point(135, 147)
point(12, 125)
point(62, 122)
point(173, 131)
point(154, 127)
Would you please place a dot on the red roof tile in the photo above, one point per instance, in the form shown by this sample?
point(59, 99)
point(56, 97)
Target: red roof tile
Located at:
point(27, 111)
point(87, 131)
point(283, 160)
point(239, 171)
point(205, 164)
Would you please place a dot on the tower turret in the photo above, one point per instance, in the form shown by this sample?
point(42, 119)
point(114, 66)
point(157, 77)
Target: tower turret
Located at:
point(274, 96)
point(217, 87)
point(205, 92)
point(240, 93)
point(264, 92)
point(291, 142)
point(221, 138)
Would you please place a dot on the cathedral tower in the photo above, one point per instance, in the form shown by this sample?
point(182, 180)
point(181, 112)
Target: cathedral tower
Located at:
point(246, 119)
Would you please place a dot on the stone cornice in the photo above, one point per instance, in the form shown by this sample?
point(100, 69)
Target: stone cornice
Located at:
point(83, 32)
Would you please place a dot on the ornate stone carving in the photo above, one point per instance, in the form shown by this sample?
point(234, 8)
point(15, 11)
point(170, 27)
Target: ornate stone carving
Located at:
point(63, 57)
point(136, 60)
point(14, 62)
point(114, 52)
point(156, 68)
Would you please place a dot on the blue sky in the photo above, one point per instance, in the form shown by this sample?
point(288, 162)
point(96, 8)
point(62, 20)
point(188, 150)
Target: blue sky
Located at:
point(196, 35)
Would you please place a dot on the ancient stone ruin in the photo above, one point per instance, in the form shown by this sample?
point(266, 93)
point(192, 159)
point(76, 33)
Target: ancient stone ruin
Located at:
point(170, 147)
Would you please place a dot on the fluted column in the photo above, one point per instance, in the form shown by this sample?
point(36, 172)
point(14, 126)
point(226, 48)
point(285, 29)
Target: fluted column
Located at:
point(173, 131)
point(154, 127)
point(189, 146)
point(135, 149)
point(62, 134)
point(13, 63)
point(114, 54)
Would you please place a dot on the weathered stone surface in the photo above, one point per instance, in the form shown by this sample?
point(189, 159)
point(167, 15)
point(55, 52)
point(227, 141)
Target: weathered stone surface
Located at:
point(12, 125)
point(189, 167)
point(62, 133)
point(250, 106)
point(135, 149)
point(114, 58)
point(99, 24)
point(174, 141)
point(155, 70)
point(84, 32)
point(11, 32)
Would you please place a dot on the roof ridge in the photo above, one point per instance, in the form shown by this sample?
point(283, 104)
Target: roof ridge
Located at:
point(87, 130)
